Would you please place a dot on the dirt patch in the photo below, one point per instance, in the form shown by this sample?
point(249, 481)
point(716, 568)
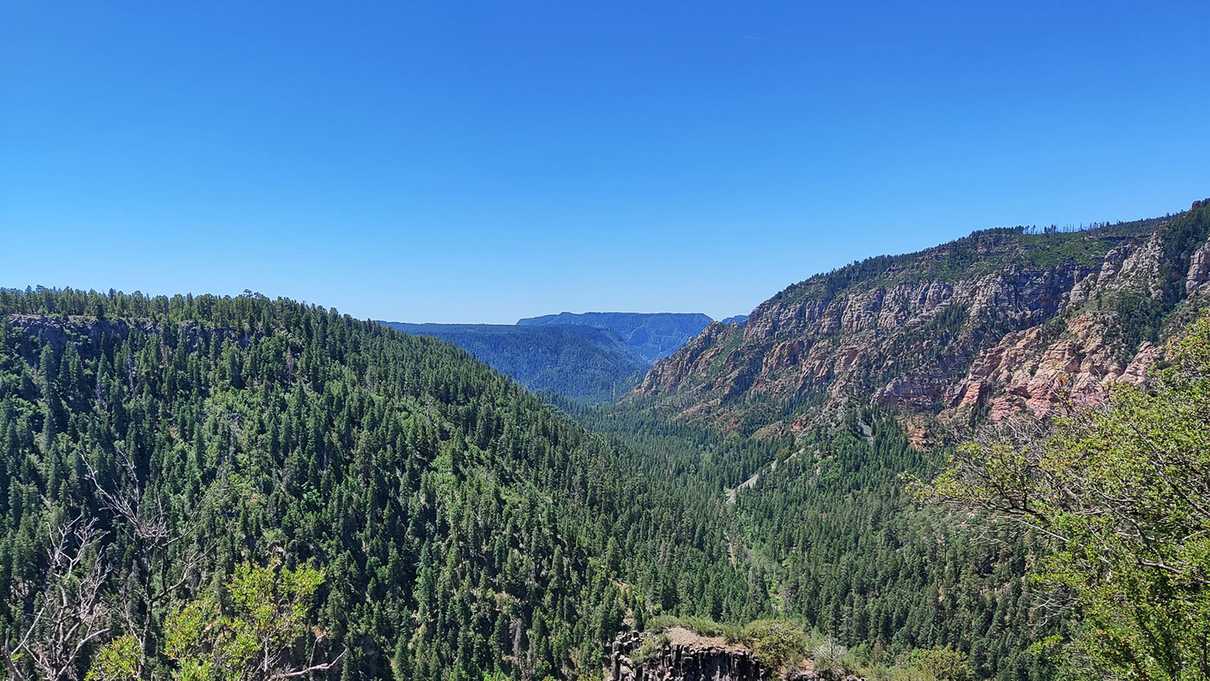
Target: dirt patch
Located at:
point(680, 636)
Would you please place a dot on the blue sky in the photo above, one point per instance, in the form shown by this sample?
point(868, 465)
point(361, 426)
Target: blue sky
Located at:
point(479, 162)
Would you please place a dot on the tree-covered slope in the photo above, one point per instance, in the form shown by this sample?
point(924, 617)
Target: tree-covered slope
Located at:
point(828, 538)
point(579, 362)
point(652, 336)
point(182, 450)
point(413, 514)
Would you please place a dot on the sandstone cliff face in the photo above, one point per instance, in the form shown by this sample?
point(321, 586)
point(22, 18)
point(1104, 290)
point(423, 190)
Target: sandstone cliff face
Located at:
point(1024, 373)
point(999, 323)
point(1199, 270)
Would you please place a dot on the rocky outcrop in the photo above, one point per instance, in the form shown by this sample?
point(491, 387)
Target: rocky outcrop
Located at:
point(683, 662)
point(33, 331)
point(685, 656)
point(999, 323)
point(1199, 270)
point(1026, 373)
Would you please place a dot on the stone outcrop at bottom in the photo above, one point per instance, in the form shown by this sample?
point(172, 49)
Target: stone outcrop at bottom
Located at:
point(704, 659)
point(683, 662)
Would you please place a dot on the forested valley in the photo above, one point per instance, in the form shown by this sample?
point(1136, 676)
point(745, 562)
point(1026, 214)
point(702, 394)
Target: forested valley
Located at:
point(604, 341)
point(243, 488)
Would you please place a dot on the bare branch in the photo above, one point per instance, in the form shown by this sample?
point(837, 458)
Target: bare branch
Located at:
point(72, 613)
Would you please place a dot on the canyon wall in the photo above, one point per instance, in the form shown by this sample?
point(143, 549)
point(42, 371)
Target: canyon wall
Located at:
point(1002, 322)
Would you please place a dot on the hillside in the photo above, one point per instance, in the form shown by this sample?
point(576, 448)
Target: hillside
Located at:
point(652, 336)
point(579, 362)
point(1002, 322)
point(411, 513)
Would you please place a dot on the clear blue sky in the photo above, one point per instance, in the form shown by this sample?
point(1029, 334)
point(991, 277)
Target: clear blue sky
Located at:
point(469, 161)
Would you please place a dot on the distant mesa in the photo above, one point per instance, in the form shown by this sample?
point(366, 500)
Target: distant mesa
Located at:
point(735, 320)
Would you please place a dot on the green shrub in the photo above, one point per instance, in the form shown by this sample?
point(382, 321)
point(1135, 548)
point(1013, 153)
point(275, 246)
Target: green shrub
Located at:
point(118, 660)
point(941, 664)
point(776, 643)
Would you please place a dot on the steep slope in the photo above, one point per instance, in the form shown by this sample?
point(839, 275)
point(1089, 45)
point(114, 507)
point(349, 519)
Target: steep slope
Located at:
point(579, 362)
point(1003, 321)
point(460, 525)
point(651, 336)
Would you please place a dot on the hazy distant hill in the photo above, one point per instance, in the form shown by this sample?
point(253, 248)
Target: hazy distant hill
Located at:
point(580, 362)
point(652, 336)
point(592, 357)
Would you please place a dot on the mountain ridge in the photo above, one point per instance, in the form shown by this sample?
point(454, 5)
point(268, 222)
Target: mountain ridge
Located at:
point(931, 333)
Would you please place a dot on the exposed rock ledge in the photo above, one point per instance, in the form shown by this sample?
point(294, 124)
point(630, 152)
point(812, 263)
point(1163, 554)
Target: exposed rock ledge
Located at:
point(687, 656)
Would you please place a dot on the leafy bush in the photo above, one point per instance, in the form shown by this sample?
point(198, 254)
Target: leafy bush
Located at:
point(117, 660)
point(776, 643)
point(941, 664)
point(257, 625)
